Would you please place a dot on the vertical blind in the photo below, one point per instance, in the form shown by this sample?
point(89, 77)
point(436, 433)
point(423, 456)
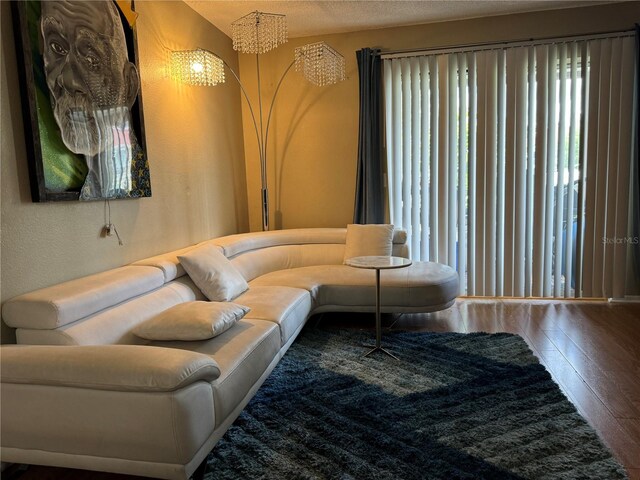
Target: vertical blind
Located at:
point(513, 165)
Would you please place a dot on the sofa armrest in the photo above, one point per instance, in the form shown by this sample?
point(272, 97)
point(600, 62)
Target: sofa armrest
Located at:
point(106, 367)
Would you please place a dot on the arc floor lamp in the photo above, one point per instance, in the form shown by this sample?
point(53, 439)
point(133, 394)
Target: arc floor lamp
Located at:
point(258, 33)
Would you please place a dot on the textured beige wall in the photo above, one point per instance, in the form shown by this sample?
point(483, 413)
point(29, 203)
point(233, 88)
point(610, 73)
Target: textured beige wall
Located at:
point(196, 158)
point(313, 143)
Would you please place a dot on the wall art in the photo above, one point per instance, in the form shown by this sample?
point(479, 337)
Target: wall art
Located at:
point(81, 101)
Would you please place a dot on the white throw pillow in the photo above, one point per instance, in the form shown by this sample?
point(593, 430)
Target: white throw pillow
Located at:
point(364, 240)
point(191, 321)
point(213, 273)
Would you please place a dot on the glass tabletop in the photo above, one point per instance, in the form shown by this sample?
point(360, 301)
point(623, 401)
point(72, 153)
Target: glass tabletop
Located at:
point(380, 262)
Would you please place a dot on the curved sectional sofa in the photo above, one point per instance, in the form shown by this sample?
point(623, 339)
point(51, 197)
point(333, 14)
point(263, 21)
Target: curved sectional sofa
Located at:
point(82, 391)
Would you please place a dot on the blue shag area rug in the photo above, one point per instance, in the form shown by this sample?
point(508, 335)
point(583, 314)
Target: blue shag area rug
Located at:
point(456, 406)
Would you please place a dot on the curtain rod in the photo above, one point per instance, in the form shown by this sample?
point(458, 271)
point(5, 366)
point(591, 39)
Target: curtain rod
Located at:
point(474, 47)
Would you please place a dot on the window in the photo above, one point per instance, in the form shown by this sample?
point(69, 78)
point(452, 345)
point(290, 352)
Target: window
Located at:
point(513, 165)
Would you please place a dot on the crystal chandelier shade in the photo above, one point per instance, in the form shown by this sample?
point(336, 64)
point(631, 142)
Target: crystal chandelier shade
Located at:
point(259, 32)
point(320, 64)
point(197, 67)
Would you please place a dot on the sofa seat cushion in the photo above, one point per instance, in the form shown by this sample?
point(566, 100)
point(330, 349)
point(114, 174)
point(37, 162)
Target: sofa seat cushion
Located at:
point(339, 287)
point(286, 306)
point(242, 353)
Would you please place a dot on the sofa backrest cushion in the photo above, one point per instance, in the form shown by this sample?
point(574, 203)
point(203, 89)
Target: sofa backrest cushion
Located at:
point(168, 263)
point(105, 307)
point(234, 245)
point(265, 260)
point(282, 249)
point(67, 302)
point(114, 325)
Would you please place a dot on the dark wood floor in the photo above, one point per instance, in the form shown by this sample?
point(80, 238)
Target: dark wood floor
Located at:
point(592, 350)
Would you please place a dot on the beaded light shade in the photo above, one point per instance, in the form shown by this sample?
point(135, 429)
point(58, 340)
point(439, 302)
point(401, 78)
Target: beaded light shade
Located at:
point(197, 67)
point(320, 64)
point(259, 32)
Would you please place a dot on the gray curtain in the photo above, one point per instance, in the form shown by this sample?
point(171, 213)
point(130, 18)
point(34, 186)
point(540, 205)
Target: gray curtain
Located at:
point(369, 203)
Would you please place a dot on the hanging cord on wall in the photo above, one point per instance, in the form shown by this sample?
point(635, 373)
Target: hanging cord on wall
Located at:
point(109, 228)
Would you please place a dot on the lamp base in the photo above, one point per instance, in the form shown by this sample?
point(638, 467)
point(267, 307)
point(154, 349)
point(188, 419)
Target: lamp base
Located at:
point(265, 209)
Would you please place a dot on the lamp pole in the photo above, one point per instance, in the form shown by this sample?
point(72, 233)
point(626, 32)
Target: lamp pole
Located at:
point(262, 134)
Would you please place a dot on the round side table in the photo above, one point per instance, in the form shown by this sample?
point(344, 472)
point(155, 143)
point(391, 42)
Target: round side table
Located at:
point(378, 263)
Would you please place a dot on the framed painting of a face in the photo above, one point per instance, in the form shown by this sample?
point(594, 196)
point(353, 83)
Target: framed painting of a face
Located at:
point(81, 101)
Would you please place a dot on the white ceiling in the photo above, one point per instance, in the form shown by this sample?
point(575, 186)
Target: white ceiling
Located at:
point(315, 17)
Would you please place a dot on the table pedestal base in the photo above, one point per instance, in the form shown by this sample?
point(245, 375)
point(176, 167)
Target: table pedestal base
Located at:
point(378, 349)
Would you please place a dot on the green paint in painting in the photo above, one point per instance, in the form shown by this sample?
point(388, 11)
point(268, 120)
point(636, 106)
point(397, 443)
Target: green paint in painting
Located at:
point(63, 170)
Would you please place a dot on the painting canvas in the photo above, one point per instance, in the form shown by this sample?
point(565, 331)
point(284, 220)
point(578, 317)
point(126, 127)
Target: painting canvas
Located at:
point(81, 101)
